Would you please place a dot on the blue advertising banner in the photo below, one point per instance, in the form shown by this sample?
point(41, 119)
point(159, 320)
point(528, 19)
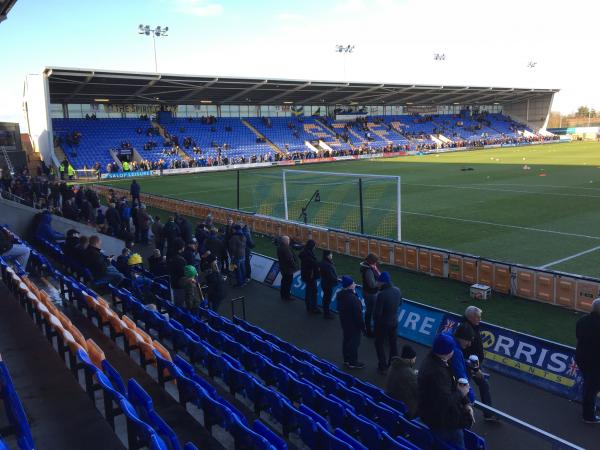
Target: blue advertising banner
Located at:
point(140, 173)
point(419, 324)
point(545, 364)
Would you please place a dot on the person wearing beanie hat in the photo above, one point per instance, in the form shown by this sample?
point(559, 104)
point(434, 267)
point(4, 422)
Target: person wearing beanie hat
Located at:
point(190, 287)
point(463, 337)
point(351, 319)
point(329, 280)
point(401, 381)
point(443, 405)
point(385, 318)
point(310, 273)
point(369, 273)
point(134, 260)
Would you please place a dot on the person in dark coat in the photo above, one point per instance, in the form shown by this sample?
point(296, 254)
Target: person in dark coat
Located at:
point(216, 246)
point(329, 281)
point(587, 356)
point(69, 247)
point(99, 265)
point(157, 264)
point(157, 231)
point(144, 220)
point(401, 381)
point(249, 246)
point(113, 220)
point(351, 319)
point(385, 316)
point(287, 266)
point(185, 228)
point(215, 285)
point(472, 320)
point(369, 272)
point(134, 190)
point(309, 273)
point(443, 404)
point(170, 234)
point(237, 254)
point(176, 263)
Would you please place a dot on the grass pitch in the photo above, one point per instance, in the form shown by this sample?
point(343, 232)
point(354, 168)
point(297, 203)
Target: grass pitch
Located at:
point(535, 205)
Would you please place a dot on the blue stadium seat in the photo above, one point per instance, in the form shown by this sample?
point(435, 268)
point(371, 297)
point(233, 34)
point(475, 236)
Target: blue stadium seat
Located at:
point(14, 410)
point(353, 443)
point(246, 438)
point(398, 443)
point(415, 432)
point(264, 431)
point(111, 398)
point(142, 403)
point(473, 441)
point(139, 433)
point(316, 417)
point(114, 377)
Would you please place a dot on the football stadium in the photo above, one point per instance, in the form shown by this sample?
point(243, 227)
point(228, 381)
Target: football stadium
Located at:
point(245, 262)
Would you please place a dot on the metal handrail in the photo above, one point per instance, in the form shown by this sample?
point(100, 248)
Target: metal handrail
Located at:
point(556, 442)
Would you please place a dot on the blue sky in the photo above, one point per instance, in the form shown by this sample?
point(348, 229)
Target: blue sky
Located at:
point(486, 43)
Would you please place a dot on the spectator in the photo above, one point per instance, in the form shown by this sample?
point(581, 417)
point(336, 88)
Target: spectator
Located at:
point(215, 285)
point(309, 273)
point(190, 253)
point(351, 320)
point(587, 356)
point(10, 249)
point(216, 246)
point(122, 262)
point(103, 272)
point(69, 247)
point(237, 253)
point(44, 229)
point(143, 224)
point(249, 247)
point(170, 234)
point(184, 227)
point(401, 382)
point(190, 287)
point(370, 273)
point(329, 281)
point(157, 264)
point(157, 231)
point(472, 319)
point(134, 190)
point(176, 263)
point(80, 250)
point(385, 315)
point(463, 337)
point(443, 404)
point(113, 220)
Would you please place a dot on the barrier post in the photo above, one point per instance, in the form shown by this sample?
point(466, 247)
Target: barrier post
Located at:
point(241, 300)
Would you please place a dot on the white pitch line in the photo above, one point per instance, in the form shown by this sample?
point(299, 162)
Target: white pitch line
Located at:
point(482, 222)
point(451, 186)
point(576, 255)
point(537, 185)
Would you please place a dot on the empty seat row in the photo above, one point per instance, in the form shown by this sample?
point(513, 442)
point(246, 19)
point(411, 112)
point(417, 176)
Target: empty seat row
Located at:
point(79, 353)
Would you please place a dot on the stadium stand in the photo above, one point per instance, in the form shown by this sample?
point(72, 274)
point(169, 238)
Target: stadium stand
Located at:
point(309, 398)
point(210, 142)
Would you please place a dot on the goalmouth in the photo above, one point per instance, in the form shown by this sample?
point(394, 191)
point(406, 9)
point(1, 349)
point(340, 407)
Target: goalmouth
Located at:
point(359, 203)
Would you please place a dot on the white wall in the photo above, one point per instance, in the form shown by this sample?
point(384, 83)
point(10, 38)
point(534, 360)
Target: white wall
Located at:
point(37, 101)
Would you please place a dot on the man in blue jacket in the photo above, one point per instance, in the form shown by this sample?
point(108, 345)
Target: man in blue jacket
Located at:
point(134, 190)
point(44, 229)
point(463, 337)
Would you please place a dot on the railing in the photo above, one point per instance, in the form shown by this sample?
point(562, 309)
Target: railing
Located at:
point(9, 165)
point(555, 442)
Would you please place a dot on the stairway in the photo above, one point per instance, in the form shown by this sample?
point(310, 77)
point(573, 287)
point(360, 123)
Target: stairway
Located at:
point(7, 160)
point(160, 128)
point(59, 153)
point(260, 135)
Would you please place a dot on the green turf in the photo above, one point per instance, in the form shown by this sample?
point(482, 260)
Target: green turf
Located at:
point(498, 210)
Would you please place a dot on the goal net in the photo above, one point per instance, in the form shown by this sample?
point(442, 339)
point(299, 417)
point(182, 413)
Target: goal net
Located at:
point(359, 203)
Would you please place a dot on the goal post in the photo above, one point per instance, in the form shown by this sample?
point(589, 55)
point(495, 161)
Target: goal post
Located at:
point(360, 203)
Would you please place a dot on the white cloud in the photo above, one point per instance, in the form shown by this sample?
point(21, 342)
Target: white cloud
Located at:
point(201, 8)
